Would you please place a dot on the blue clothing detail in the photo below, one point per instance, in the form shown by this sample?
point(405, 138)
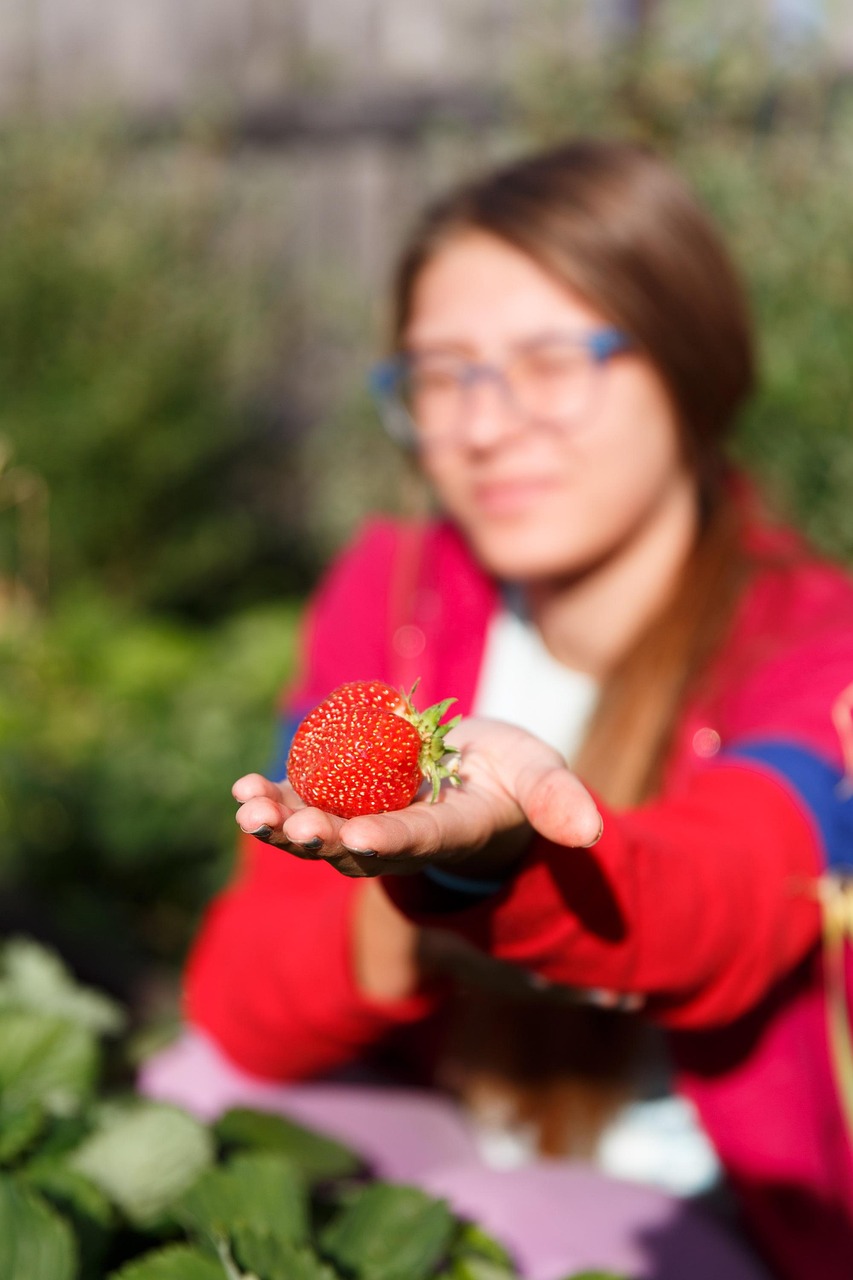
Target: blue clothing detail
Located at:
point(463, 884)
point(822, 788)
point(287, 727)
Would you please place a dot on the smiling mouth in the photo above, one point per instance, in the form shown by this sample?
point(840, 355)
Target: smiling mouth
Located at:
point(511, 497)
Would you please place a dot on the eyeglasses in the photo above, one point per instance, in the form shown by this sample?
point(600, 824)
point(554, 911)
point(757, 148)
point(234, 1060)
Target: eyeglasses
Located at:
point(423, 398)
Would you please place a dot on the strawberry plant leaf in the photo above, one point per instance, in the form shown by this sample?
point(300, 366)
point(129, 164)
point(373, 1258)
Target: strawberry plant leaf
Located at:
point(473, 1242)
point(596, 1275)
point(63, 1134)
point(318, 1157)
point(264, 1254)
point(34, 978)
point(35, 1243)
point(474, 1268)
point(143, 1156)
point(47, 1060)
point(390, 1233)
point(477, 1256)
point(175, 1262)
point(19, 1128)
point(260, 1189)
point(80, 1202)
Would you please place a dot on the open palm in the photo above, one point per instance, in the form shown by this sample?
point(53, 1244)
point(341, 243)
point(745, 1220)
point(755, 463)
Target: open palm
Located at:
point(510, 782)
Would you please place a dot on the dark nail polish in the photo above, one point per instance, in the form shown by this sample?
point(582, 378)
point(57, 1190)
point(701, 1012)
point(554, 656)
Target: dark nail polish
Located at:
point(311, 845)
point(262, 833)
point(364, 853)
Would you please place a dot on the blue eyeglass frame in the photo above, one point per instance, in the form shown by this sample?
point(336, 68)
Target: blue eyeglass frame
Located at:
point(382, 378)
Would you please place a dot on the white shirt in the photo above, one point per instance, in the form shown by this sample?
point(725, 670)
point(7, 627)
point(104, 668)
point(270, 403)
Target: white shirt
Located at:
point(523, 684)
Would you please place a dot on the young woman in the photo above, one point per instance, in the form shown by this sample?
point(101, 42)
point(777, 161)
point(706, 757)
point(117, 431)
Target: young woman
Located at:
point(571, 347)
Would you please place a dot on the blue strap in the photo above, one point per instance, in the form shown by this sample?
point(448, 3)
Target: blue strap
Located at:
point(285, 731)
point(822, 788)
point(463, 884)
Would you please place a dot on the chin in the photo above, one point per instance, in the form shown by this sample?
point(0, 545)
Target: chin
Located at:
point(514, 557)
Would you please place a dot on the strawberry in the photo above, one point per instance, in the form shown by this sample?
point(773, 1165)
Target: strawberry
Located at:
point(365, 749)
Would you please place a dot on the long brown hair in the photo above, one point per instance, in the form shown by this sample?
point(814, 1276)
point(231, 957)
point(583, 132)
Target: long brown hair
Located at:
point(617, 226)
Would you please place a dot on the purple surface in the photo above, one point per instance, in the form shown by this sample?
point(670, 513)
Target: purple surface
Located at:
point(556, 1217)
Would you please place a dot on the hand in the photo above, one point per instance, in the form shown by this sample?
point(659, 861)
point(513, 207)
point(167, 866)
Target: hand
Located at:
point(511, 782)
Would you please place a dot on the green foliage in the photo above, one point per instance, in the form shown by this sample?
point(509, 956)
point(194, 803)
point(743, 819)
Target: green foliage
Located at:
point(35, 1243)
point(137, 1190)
point(142, 1155)
point(257, 1190)
point(120, 736)
point(135, 347)
point(318, 1156)
point(389, 1233)
point(175, 1262)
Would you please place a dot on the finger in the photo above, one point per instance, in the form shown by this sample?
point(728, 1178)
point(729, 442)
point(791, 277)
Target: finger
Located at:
point(261, 814)
point(459, 822)
point(254, 785)
point(314, 827)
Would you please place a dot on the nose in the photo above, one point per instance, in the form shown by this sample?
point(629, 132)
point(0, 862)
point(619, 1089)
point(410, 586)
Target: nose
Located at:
point(488, 414)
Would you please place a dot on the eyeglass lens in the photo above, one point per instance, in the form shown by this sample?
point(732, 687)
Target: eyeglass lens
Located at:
point(550, 382)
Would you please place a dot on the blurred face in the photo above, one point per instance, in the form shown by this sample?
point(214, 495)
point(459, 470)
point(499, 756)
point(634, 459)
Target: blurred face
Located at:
point(551, 467)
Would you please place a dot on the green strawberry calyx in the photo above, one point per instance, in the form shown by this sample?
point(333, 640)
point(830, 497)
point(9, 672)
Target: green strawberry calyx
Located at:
point(437, 759)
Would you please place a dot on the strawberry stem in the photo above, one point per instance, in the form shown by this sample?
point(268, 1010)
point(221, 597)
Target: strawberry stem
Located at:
point(437, 759)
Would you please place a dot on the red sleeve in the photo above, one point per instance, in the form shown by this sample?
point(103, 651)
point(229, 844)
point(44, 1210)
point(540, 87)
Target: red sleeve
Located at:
point(270, 973)
point(270, 976)
point(697, 903)
point(702, 899)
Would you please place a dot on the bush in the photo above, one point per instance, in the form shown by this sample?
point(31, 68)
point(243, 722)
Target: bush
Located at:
point(138, 348)
point(120, 736)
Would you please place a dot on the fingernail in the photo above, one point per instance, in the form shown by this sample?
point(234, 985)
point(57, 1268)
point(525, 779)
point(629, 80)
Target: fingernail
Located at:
point(363, 853)
point(311, 845)
point(598, 836)
point(261, 833)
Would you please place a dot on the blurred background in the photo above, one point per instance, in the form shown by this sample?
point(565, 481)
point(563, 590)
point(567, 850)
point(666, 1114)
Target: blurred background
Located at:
point(199, 206)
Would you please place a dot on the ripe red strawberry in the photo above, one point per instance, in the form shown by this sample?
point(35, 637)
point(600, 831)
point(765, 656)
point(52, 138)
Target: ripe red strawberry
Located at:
point(365, 749)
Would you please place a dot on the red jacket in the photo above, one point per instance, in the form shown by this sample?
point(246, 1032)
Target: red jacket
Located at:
point(701, 901)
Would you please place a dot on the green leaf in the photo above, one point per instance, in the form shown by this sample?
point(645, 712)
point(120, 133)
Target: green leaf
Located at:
point(474, 1268)
point(318, 1157)
point(264, 1254)
point(175, 1262)
point(261, 1190)
point(64, 1133)
point(80, 1202)
point(390, 1233)
point(472, 1241)
point(144, 1156)
point(35, 979)
point(477, 1256)
point(35, 1244)
point(596, 1275)
point(19, 1128)
point(47, 1060)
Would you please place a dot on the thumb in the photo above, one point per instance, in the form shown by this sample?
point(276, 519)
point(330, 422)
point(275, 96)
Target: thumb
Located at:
point(557, 804)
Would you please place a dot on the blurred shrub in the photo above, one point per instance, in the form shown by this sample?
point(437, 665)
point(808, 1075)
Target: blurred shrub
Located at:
point(137, 345)
point(120, 736)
